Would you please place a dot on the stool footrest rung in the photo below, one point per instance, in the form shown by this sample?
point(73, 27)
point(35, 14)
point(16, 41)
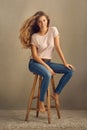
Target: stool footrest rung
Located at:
point(52, 106)
point(35, 97)
point(34, 109)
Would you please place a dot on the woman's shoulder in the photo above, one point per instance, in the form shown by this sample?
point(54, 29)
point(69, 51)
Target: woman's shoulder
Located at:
point(54, 30)
point(34, 36)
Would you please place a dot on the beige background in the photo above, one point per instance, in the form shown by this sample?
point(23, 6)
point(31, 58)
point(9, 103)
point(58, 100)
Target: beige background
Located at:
point(70, 16)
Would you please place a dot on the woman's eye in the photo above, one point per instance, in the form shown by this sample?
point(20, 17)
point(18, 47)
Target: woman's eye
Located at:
point(38, 21)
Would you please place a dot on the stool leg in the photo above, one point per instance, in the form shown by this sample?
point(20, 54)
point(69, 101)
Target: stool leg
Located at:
point(48, 105)
point(31, 97)
point(58, 111)
point(56, 105)
point(40, 80)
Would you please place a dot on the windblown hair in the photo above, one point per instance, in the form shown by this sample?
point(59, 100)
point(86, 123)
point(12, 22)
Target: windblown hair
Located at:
point(30, 27)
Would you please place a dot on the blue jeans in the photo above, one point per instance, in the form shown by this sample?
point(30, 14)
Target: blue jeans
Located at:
point(39, 69)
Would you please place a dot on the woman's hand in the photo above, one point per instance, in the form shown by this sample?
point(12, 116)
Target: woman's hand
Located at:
point(70, 66)
point(52, 72)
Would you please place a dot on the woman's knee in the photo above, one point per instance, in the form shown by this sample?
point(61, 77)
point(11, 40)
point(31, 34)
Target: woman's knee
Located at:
point(47, 75)
point(70, 72)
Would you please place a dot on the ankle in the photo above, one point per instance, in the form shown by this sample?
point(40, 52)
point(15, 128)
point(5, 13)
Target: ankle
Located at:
point(56, 95)
point(41, 102)
point(41, 106)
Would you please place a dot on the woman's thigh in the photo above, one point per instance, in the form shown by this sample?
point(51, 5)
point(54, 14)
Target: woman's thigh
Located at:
point(58, 68)
point(37, 68)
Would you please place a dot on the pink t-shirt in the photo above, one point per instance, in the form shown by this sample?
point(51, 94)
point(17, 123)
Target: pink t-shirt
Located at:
point(45, 43)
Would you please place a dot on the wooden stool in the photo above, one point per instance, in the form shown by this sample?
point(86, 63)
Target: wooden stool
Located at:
point(48, 106)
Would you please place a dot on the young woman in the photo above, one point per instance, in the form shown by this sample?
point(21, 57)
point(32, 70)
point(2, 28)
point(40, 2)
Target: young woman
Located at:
point(37, 35)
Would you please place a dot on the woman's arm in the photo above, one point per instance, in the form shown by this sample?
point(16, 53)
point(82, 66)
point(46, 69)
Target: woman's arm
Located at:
point(59, 51)
point(38, 59)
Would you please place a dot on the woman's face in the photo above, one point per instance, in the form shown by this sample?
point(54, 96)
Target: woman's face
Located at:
point(42, 22)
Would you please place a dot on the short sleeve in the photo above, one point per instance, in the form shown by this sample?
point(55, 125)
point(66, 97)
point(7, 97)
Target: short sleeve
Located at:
point(33, 40)
point(55, 31)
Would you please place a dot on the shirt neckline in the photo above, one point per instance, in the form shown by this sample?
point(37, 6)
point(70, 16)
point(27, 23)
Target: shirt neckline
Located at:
point(44, 34)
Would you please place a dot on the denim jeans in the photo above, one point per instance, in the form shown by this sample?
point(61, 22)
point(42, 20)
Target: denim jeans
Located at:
point(39, 69)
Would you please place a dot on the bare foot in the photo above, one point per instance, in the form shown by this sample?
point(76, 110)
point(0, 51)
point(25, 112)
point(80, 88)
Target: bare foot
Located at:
point(56, 96)
point(41, 106)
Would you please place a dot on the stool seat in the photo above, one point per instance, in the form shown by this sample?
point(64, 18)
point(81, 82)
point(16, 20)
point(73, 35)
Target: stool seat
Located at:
point(48, 105)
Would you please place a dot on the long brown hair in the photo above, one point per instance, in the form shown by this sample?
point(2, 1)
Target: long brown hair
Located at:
point(30, 27)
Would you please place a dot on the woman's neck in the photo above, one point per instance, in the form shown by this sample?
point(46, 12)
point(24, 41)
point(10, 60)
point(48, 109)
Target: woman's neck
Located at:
point(43, 31)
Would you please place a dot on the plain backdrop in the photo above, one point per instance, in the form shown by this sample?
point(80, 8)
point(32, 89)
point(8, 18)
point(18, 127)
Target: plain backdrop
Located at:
point(70, 17)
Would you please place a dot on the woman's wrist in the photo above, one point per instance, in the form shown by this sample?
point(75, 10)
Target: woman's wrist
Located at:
point(65, 63)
